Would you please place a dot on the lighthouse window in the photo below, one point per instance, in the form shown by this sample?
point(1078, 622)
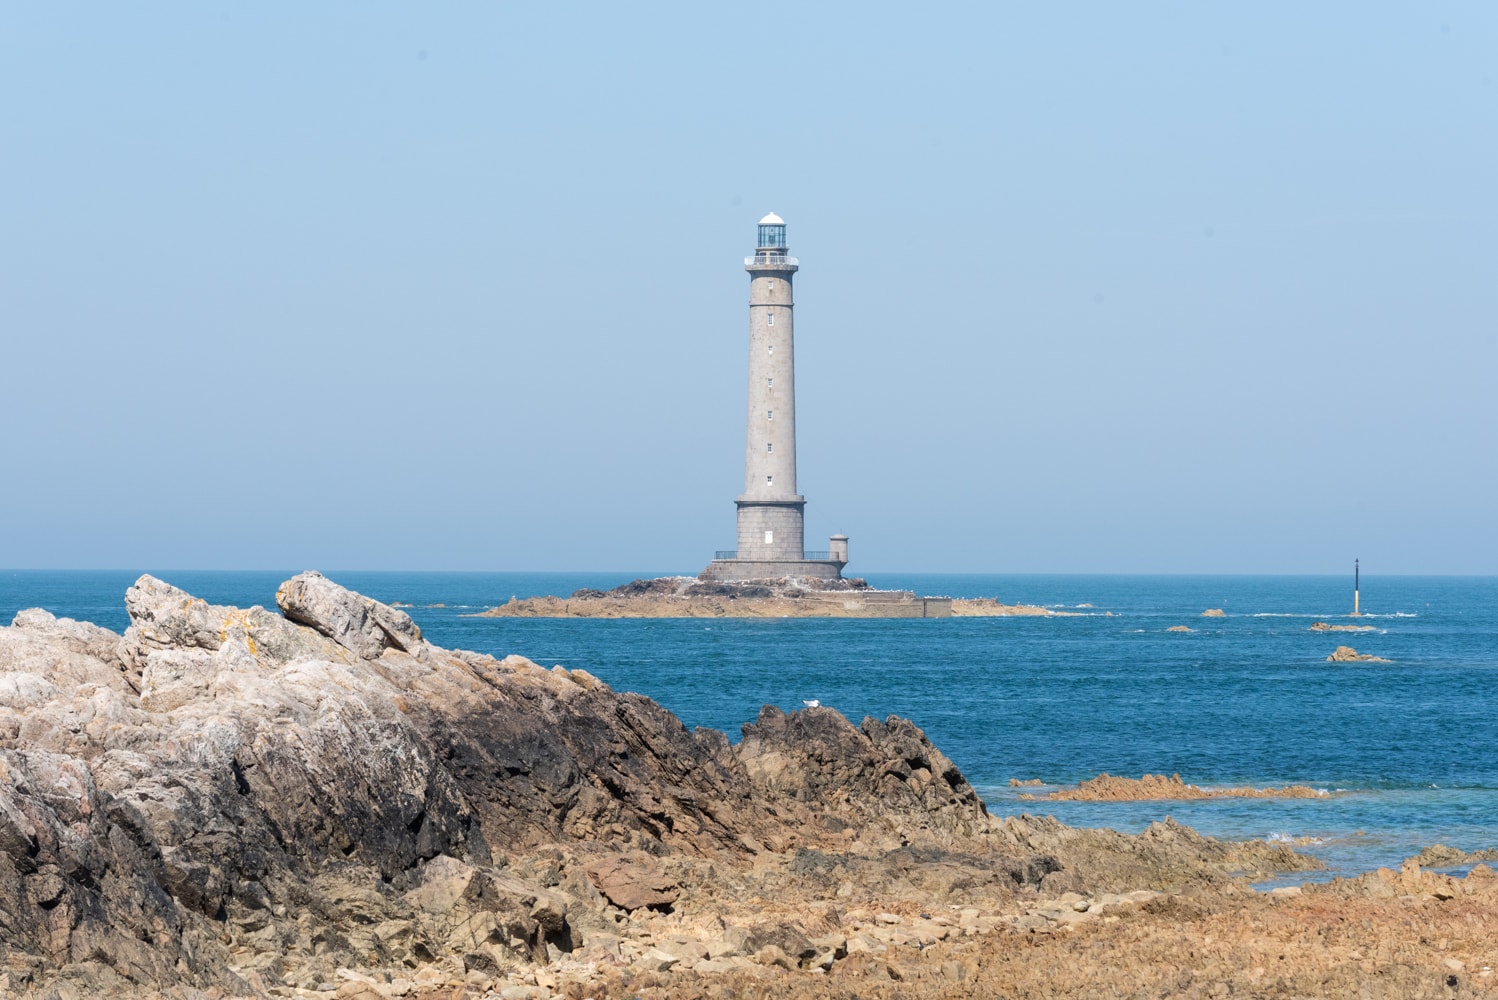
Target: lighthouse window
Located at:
point(769, 480)
point(769, 538)
point(771, 381)
point(769, 414)
point(770, 284)
point(770, 446)
point(771, 320)
point(772, 348)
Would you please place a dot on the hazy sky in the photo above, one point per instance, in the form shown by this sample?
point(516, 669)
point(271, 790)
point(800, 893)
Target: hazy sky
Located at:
point(1087, 287)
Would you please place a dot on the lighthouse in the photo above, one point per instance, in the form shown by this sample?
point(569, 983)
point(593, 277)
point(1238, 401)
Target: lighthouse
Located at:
point(771, 514)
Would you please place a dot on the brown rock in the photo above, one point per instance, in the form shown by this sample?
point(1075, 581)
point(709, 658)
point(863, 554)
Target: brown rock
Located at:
point(1109, 788)
point(633, 880)
point(1346, 654)
point(771, 955)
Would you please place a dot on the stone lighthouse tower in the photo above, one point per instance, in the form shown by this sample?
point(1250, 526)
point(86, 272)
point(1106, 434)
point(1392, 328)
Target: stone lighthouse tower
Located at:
point(771, 536)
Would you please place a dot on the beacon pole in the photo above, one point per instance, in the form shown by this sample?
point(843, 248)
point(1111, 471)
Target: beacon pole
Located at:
point(1355, 612)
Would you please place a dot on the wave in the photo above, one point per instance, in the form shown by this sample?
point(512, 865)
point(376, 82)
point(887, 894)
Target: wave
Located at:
point(1329, 617)
point(1281, 837)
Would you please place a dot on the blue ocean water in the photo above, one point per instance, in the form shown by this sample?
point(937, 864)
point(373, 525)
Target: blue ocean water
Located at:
point(1408, 749)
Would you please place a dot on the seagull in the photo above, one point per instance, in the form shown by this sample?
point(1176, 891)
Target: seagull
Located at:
point(814, 703)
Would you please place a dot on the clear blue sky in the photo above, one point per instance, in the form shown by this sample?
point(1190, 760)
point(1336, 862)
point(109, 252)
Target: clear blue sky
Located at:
point(1089, 287)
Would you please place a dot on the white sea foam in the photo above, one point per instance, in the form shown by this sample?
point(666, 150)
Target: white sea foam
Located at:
point(1280, 837)
point(1333, 614)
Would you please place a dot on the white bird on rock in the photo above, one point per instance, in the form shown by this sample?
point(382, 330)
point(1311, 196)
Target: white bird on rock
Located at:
point(814, 703)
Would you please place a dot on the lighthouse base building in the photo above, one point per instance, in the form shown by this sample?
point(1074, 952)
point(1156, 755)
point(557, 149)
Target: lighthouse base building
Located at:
point(771, 514)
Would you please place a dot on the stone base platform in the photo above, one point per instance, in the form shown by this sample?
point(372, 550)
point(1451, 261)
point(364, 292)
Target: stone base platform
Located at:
point(743, 570)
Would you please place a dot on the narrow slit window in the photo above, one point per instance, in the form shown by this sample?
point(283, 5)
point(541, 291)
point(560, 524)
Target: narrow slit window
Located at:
point(769, 319)
point(772, 348)
point(769, 446)
point(769, 480)
point(769, 414)
point(771, 382)
point(769, 538)
point(770, 284)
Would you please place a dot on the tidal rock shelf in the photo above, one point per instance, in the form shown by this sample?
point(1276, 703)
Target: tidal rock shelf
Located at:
point(317, 802)
point(1158, 787)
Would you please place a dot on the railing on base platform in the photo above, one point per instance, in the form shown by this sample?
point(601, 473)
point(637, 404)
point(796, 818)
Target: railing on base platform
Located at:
point(805, 556)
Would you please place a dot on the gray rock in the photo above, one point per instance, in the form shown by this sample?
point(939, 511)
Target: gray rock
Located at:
point(359, 624)
point(69, 654)
point(788, 937)
point(84, 638)
point(163, 617)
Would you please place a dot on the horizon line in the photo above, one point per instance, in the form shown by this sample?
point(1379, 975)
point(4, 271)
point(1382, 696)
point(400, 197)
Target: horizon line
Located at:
point(644, 574)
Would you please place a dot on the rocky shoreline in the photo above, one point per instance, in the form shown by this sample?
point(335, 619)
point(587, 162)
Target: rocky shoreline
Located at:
point(317, 802)
point(690, 597)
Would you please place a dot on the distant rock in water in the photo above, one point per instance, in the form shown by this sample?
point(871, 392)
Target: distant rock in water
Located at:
point(1214, 613)
point(1346, 654)
point(258, 804)
point(1326, 627)
point(1107, 788)
point(1180, 628)
point(1441, 856)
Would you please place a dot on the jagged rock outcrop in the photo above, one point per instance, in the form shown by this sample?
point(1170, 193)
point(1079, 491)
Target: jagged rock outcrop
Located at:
point(881, 785)
point(364, 627)
point(250, 801)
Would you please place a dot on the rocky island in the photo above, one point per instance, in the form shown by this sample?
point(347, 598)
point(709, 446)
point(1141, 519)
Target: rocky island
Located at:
point(318, 802)
point(692, 597)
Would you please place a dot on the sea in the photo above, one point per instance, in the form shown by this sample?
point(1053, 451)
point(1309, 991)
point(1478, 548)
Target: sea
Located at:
point(1407, 751)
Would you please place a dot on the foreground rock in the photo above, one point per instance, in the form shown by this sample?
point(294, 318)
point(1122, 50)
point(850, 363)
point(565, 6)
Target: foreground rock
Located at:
point(226, 803)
